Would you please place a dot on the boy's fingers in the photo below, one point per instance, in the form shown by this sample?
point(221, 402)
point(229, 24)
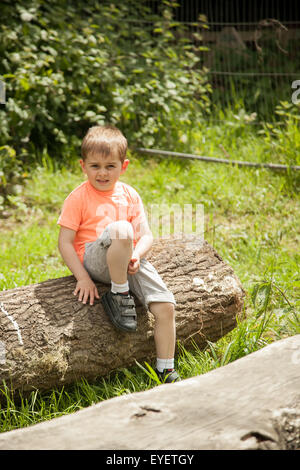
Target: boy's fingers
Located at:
point(86, 296)
point(80, 296)
point(133, 269)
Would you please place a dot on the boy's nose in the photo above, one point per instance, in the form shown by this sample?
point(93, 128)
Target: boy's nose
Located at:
point(102, 171)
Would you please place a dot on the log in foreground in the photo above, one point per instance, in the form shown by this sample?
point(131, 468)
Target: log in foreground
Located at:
point(49, 338)
point(252, 403)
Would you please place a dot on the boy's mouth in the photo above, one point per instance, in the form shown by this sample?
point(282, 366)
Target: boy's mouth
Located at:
point(102, 181)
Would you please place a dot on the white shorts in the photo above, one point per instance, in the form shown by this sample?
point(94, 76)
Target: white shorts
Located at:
point(146, 284)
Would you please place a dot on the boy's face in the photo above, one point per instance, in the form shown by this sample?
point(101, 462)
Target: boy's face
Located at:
point(103, 172)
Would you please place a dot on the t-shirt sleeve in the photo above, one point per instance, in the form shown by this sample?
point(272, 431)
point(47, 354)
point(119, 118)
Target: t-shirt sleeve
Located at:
point(70, 216)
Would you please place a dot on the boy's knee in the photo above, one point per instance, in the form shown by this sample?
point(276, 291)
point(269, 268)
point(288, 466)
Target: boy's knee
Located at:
point(121, 230)
point(164, 310)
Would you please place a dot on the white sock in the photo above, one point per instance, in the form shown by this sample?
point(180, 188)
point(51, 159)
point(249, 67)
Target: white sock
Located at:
point(162, 364)
point(119, 288)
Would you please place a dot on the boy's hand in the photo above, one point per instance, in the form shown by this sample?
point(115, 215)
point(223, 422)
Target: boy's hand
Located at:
point(134, 264)
point(86, 289)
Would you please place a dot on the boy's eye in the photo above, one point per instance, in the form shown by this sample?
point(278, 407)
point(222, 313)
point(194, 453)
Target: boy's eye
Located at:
point(97, 166)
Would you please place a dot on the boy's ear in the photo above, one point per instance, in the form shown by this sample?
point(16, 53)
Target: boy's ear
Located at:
point(125, 165)
point(82, 165)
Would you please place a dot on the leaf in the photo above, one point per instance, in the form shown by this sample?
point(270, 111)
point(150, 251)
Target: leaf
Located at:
point(170, 85)
point(261, 297)
point(150, 372)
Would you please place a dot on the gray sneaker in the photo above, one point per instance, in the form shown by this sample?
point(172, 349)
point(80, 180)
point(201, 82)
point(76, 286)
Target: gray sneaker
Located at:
point(121, 310)
point(168, 376)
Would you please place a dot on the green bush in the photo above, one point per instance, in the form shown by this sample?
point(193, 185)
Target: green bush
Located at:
point(69, 65)
point(11, 173)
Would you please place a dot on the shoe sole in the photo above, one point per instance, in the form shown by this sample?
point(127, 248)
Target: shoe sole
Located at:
point(108, 311)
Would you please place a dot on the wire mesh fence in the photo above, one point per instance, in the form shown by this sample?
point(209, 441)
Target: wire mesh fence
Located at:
point(250, 49)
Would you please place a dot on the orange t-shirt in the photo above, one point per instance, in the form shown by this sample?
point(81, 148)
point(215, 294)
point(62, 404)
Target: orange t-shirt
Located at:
point(88, 211)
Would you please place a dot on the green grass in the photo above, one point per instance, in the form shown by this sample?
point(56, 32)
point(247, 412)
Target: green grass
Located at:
point(251, 218)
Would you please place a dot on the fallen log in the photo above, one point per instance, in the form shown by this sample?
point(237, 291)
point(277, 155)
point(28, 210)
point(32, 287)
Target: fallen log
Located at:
point(49, 338)
point(252, 403)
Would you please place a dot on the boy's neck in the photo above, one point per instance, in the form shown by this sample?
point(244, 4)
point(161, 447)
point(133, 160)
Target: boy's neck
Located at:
point(103, 191)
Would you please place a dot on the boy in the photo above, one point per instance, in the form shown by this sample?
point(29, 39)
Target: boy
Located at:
point(104, 236)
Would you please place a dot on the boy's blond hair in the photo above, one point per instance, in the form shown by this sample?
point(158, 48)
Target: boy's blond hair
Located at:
point(104, 140)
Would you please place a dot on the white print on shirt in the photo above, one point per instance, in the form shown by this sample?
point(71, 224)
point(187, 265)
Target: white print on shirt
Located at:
point(111, 213)
point(108, 213)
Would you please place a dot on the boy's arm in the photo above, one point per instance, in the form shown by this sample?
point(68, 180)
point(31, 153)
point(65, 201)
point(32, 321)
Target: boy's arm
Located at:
point(143, 245)
point(85, 286)
point(141, 248)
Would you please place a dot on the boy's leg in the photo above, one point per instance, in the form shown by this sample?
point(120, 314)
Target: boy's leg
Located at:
point(107, 261)
point(120, 251)
point(164, 337)
point(148, 286)
point(118, 303)
point(116, 242)
point(164, 329)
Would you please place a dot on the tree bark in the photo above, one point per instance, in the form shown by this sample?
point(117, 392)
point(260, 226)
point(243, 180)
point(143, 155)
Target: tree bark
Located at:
point(49, 338)
point(252, 403)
